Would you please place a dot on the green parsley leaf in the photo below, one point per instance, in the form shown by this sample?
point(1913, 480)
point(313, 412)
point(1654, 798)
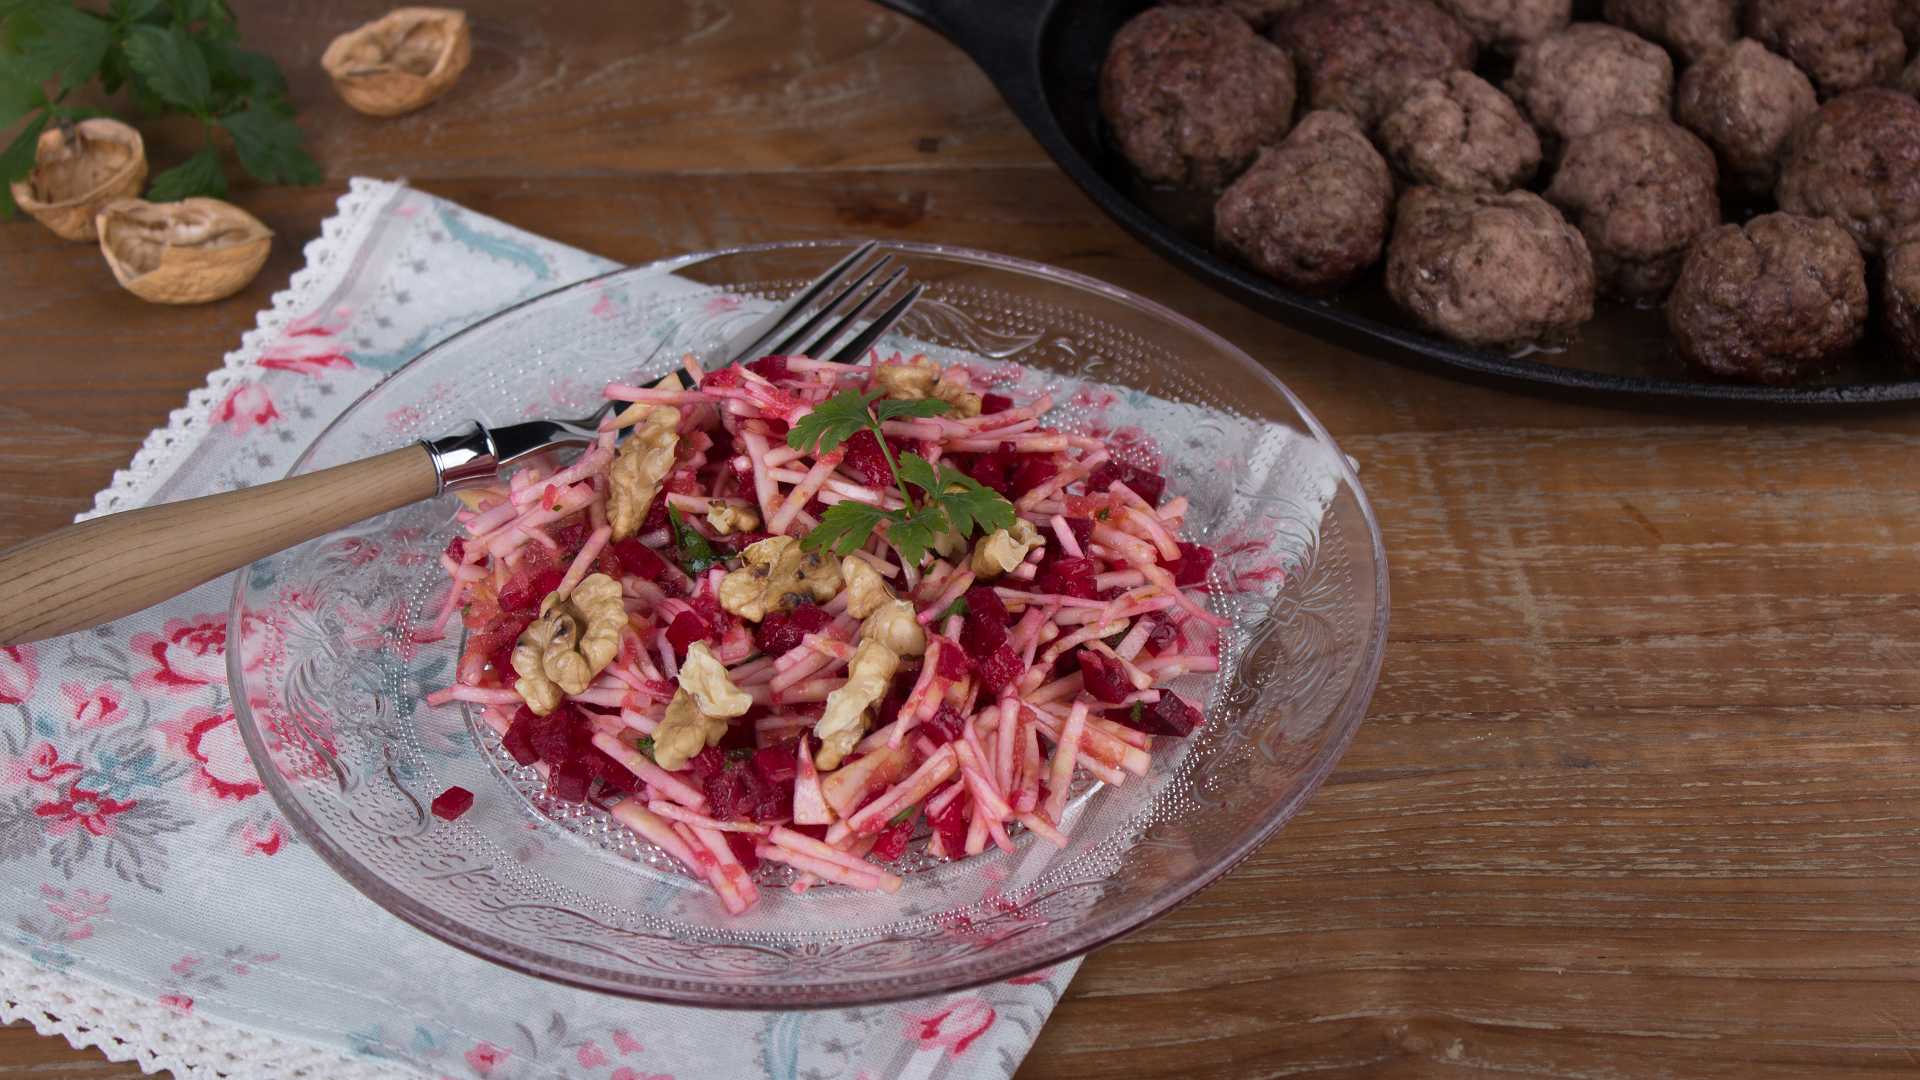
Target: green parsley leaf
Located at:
point(167, 62)
point(917, 408)
point(918, 471)
point(958, 607)
point(845, 526)
point(975, 506)
point(912, 534)
point(198, 175)
point(17, 160)
point(57, 39)
point(696, 553)
point(644, 743)
point(832, 422)
point(269, 146)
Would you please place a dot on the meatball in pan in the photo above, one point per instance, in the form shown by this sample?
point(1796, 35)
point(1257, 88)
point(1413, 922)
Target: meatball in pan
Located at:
point(1489, 270)
point(1584, 77)
point(1359, 56)
point(1639, 190)
point(1745, 101)
point(1857, 161)
point(1456, 131)
point(1312, 212)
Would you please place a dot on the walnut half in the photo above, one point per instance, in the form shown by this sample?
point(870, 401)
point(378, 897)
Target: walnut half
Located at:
point(684, 732)
point(573, 640)
point(922, 378)
point(645, 458)
point(777, 574)
point(1005, 550)
point(845, 718)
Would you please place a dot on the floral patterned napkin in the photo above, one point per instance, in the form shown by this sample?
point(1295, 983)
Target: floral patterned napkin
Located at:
point(154, 903)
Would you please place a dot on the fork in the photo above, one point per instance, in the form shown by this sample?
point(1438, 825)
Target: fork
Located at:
point(99, 570)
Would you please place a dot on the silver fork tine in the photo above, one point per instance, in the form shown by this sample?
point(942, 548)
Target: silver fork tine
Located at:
point(788, 346)
point(853, 350)
point(847, 321)
point(755, 337)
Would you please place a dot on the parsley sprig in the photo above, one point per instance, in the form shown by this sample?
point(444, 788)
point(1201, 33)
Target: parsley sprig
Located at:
point(950, 501)
point(172, 56)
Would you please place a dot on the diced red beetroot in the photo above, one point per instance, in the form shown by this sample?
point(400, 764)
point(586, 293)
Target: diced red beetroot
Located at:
point(656, 518)
point(724, 378)
point(864, 457)
point(739, 791)
point(615, 776)
point(1104, 677)
point(982, 633)
point(638, 560)
point(1069, 577)
point(897, 692)
point(1192, 565)
point(496, 640)
point(775, 763)
point(570, 780)
point(771, 368)
point(1171, 715)
point(706, 763)
point(571, 535)
point(555, 736)
point(946, 725)
point(781, 631)
point(529, 585)
point(1082, 530)
point(1162, 637)
point(892, 842)
point(518, 740)
point(707, 606)
point(1033, 470)
point(994, 403)
point(451, 803)
point(1148, 485)
point(983, 602)
point(950, 824)
point(995, 469)
point(686, 628)
point(818, 832)
point(999, 671)
point(741, 844)
point(456, 549)
point(953, 661)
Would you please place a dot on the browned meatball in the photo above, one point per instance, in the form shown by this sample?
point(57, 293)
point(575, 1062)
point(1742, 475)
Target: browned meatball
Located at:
point(1745, 101)
point(1492, 270)
point(1857, 161)
point(1261, 13)
point(1906, 15)
point(1506, 25)
point(1312, 212)
point(1640, 190)
point(1910, 78)
point(1359, 56)
point(1842, 44)
point(1900, 295)
point(1455, 131)
point(1692, 28)
point(1192, 95)
point(1770, 302)
point(1579, 79)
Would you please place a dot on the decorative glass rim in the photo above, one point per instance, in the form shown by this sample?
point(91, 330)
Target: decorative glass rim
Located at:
point(511, 955)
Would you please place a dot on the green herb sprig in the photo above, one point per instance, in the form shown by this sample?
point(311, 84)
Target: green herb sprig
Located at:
point(172, 56)
point(950, 501)
point(696, 554)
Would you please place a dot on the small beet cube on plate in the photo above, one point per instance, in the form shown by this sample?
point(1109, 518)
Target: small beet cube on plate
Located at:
point(451, 803)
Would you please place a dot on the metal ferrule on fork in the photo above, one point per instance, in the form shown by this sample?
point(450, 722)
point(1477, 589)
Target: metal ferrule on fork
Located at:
point(465, 460)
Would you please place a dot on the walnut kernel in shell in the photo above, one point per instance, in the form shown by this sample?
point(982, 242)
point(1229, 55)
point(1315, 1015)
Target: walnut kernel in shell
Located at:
point(77, 170)
point(186, 252)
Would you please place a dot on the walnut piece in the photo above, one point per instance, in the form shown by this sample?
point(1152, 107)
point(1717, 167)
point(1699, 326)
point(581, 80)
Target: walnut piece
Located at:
point(705, 677)
point(186, 252)
point(77, 170)
point(845, 719)
point(401, 61)
point(1005, 549)
point(922, 378)
point(895, 626)
point(728, 519)
point(866, 589)
point(775, 576)
point(645, 458)
point(684, 732)
point(573, 640)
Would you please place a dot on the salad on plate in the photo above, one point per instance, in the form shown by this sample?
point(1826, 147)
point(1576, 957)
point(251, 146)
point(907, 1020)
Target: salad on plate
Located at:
point(805, 612)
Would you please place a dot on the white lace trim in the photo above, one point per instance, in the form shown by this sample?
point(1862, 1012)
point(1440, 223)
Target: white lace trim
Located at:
point(327, 261)
point(129, 1028)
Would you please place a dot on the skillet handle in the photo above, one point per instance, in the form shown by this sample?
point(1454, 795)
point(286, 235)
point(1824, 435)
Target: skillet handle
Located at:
point(1001, 36)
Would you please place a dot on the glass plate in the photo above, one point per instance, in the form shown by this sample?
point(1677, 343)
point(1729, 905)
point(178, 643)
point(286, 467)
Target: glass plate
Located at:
point(329, 678)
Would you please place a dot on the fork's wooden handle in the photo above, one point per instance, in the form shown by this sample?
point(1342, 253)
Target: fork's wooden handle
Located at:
point(98, 570)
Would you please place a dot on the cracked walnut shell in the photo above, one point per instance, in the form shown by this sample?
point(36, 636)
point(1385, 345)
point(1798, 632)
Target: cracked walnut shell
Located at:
point(77, 170)
point(186, 252)
point(401, 61)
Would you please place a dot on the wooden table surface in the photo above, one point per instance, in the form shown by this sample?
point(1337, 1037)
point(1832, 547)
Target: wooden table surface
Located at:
point(1638, 795)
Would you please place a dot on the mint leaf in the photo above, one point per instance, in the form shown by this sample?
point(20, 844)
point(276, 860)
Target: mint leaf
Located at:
point(17, 160)
point(696, 554)
point(832, 422)
point(57, 39)
point(170, 66)
point(198, 175)
point(845, 526)
point(917, 408)
point(269, 146)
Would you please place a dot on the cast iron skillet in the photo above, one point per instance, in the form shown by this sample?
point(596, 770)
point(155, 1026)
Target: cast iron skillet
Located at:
point(1045, 55)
